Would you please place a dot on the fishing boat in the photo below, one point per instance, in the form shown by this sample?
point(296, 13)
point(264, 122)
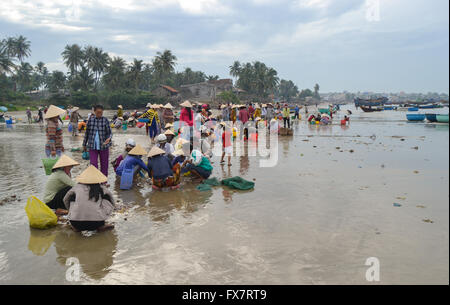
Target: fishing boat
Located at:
point(429, 106)
point(413, 109)
point(442, 118)
point(415, 117)
point(370, 102)
point(431, 117)
point(390, 108)
point(371, 109)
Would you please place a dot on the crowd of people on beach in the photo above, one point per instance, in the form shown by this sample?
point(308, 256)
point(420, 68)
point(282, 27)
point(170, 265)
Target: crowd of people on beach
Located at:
point(181, 145)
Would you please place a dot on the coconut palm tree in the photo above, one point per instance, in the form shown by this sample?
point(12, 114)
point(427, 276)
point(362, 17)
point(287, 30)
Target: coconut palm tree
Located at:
point(135, 73)
point(73, 58)
point(164, 64)
point(57, 80)
point(235, 69)
point(115, 73)
point(22, 48)
point(7, 65)
point(24, 76)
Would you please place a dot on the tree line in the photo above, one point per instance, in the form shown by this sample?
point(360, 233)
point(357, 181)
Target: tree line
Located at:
point(93, 74)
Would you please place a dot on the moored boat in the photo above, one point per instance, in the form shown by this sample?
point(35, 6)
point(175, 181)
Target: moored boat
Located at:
point(442, 118)
point(413, 109)
point(431, 117)
point(415, 117)
point(371, 109)
point(324, 110)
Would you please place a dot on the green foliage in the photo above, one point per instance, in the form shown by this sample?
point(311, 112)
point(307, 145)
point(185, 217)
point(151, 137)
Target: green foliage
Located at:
point(131, 99)
point(255, 78)
point(228, 97)
point(84, 99)
point(287, 90)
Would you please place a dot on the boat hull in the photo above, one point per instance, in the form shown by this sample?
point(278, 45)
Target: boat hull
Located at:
point(370, 109)
point(442, 118)
point(413, 109)
point(415, 117)
point(431, 117)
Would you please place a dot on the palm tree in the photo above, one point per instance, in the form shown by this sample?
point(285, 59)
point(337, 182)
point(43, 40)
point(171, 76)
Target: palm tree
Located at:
point(41, 74)
point(22, 48)
point(135, 73)
point(6, 63)
point(73, 57)
point(316, 91)
point(57, 80)
point(164, 64)
point(115, 72)
point(235, 69)
point(23, 76)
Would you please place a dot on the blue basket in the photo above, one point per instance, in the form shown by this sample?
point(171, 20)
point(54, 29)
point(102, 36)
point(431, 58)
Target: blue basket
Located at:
point(9, 122)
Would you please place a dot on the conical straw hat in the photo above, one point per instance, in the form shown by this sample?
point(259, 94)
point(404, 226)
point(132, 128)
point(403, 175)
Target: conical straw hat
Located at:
point(138, 151)
point(186, 104)
point(54, 111)
point(169, 133)
point(75, 108)
point(155, 151)
point(65, 161)
point(179, 152)
point(168, 105)
point(91, 175)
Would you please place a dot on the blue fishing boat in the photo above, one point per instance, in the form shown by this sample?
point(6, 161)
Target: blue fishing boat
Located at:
point(413, 109)
point(431, 117)
point(390, 108)
point(415, 117)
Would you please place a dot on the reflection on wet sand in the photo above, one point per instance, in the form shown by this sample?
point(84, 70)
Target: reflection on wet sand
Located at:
point(94, 253)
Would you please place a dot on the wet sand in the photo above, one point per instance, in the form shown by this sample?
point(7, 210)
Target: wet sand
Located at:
point(313, 219)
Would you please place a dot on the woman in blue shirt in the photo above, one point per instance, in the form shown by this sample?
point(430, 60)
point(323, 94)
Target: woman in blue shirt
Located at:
point(133, 161)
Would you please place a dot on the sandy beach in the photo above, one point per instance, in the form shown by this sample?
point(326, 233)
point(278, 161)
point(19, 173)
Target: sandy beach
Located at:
point(314, 218)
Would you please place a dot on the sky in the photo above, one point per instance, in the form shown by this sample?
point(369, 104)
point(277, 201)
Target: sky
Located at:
point(353, 45)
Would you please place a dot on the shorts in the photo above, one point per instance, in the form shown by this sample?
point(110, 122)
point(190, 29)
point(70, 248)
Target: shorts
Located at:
point(228, 151)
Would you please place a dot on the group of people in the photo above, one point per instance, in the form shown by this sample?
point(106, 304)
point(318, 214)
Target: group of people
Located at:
point(180, 144)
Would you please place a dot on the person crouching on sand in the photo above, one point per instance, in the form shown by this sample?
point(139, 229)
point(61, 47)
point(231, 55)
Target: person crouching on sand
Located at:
point(59, 183)
point(129, 145)
point(89, 202)
point(160, 169)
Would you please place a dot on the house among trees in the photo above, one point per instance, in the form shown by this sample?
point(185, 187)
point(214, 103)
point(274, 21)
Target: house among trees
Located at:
point(206, 91)
point(165, 91)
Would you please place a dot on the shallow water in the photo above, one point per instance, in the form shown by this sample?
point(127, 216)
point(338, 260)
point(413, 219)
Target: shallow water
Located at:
point(313, 219)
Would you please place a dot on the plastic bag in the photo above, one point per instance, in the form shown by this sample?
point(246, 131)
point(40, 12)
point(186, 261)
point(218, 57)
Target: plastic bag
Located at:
point(85, 155)
point(48, 165)
point(39, 214)
point(70, 127)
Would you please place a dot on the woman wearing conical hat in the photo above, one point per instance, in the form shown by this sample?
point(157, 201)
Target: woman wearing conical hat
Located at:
point(89, 202)
point(168, 116)
point(133, 161)
point(161, 169)
point(59, 183)
point(54, 146)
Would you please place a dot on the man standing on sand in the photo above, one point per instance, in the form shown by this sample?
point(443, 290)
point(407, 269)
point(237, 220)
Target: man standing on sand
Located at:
point(29, 116)
point(98, 139)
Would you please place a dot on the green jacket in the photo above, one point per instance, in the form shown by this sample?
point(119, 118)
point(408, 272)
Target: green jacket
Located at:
point(56, 182)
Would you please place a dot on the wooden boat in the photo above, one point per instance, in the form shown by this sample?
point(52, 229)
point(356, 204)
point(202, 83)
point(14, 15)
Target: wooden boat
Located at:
point(442, 118)
point(415, 117)
point(370, 102)
point(429, 106)
point(371, 109)
point(431, 117)
point(413, 109)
